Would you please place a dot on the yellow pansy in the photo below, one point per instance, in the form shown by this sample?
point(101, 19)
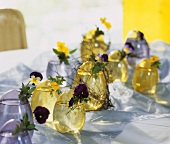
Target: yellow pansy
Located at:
point(107, 24)
point(98, 58)
point(126, 50)
point(103, 20)
point(100, 38)
point(34, 80)
point(61, 47)
point(55, 86)
point(89, 34)
point(154, 58)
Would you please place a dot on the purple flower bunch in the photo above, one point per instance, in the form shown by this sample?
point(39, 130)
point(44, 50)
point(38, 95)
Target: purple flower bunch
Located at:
point(80, 94)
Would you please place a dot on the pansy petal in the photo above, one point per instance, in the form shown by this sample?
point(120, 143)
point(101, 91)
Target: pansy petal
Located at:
point(36, 74)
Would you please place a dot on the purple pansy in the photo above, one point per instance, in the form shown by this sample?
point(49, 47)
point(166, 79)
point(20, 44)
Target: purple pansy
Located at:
point(71, 102)
point(129, 46)
point(41, 114)
point(81, 91)
point(140, 35)
point(36, 74)
point(104, 58)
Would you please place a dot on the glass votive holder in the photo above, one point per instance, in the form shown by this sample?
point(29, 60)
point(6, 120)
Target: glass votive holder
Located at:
point(12, 108)
point(144, 80)
point(7, 137)
point(54, 68)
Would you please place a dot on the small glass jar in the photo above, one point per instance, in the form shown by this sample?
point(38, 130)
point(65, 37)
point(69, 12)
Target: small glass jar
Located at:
point(144, 80)
point(67, 120)
point(12, 108)
point(117, 70)
point(54, 68)
point(6, 136)
point(89, 47)
point(45, 97)
point(96, 85)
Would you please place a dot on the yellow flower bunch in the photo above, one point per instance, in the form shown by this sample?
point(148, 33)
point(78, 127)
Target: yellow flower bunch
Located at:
point(154, 58)
point(90, 36)
point(55, 83)
point(62, 51)
point(61, 47)
point(107, 24)
point(152, 62)
point(97, 34)
point(55, 86)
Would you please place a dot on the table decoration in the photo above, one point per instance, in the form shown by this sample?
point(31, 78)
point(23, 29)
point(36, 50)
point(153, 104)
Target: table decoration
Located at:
point(117, 67)
point(146, 76)
point(11, 107)
point(63, 64)
point(93, 41)
point(15, 103)
point(46, 95)
point(69, 112)
point(141, 48)
point(8, 137)
point(92, 74)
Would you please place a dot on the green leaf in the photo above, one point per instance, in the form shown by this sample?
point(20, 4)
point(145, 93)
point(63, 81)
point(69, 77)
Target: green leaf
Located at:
point(31, 126)
point(55, 51)
point(66, 61)
point(71, 52)
point(92, 57)
point(98, 66)
point(98, 33)
point(24, 126)
point(25, 119)
point(31, 90)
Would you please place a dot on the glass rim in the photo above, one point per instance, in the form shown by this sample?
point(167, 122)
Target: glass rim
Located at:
point(2, 101)
point(24, 133)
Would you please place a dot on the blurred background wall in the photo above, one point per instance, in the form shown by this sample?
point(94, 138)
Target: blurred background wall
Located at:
point(152, 17)
point(66, 20)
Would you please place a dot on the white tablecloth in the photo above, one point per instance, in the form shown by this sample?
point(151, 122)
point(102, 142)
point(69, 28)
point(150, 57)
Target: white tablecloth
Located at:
point(136, 119)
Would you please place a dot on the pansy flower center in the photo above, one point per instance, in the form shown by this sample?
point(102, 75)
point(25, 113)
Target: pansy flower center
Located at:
point(34, 80)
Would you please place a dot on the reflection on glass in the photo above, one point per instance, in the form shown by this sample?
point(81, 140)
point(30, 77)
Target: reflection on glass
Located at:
point(6, 136)
point(117, 70)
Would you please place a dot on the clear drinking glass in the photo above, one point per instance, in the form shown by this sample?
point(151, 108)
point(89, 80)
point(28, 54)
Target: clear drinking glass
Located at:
point(54, 68)
point(12, 108)
point(6, 136)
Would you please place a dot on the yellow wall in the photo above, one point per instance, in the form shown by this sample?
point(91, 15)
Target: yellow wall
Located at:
point(152, 17)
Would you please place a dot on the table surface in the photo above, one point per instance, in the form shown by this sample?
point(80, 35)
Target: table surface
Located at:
point(136, 119)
